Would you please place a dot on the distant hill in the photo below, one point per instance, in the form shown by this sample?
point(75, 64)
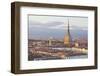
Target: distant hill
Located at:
point(56, 34)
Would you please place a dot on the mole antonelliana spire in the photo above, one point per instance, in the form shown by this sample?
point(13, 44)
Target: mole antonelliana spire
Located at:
point(67, 37)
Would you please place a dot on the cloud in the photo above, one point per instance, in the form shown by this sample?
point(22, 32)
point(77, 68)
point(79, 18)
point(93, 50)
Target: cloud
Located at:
point(51, 22)
point(54, 25)
point(45, 24)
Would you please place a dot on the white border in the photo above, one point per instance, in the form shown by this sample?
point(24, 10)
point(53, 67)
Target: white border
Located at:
point(25, 64)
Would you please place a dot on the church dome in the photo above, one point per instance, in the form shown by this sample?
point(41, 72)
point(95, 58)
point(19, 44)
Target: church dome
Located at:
point(67, 40)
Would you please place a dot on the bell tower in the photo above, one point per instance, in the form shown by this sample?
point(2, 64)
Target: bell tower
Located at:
point(50, 41)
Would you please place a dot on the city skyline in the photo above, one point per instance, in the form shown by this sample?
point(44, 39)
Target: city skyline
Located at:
point(57, 37)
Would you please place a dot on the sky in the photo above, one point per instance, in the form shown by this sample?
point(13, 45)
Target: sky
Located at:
point(46, 26)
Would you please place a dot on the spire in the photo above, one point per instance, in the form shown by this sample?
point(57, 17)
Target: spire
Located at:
point(67, 38)
point(68, 27)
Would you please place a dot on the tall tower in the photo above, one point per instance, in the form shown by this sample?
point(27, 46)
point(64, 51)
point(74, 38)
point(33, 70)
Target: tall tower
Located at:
point(50, 41)
point(67, 37)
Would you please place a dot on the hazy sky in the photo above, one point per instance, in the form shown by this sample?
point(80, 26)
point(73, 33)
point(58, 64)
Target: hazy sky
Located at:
point(41, 27)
